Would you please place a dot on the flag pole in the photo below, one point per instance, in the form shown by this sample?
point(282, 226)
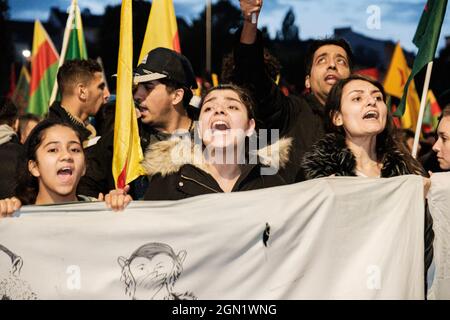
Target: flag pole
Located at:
point(208, 35)
point(422, 108)
point(64, 47)
point(100, 62)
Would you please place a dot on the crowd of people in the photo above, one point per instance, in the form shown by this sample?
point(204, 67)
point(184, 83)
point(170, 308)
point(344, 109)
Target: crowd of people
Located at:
point(340, 127)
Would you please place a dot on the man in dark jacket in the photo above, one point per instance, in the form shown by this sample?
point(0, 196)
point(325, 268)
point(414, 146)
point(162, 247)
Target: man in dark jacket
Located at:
point(83, 91)
point(10, 148)
point(299, 117)
point(163, 82)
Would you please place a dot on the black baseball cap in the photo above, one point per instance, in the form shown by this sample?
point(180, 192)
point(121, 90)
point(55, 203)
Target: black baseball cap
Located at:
point(163, 63)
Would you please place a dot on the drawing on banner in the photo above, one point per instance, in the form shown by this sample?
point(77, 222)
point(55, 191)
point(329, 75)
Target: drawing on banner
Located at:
point(151, 271)
point(11, 286)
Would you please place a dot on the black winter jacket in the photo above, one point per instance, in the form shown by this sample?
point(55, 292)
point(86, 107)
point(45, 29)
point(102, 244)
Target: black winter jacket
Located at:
point(11, 153)
point(331, 156)
point(185, 176)
point(299, 117)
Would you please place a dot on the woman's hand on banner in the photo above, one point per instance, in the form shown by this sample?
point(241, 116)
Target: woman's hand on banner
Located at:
point(8, 206)
point(118, 199)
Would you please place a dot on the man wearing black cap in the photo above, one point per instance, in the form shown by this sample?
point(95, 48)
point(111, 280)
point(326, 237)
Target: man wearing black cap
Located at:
point(164, 80)
point(163, 83)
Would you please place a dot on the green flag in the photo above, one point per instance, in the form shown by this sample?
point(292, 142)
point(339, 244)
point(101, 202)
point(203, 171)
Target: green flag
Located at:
point(426, 40)
point(74, 44)
point(76, 48)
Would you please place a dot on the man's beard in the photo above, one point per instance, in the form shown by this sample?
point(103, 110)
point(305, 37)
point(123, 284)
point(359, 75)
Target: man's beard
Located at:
point(14, 288)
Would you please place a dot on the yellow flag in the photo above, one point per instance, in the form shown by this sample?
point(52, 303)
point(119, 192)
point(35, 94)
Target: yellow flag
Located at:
point(394, 84)
point(162, 30)
point(127, 148)
point(409, 118)
point(215, 79)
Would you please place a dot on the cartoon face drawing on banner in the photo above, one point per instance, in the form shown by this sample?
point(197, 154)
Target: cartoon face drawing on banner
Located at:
point(151, 271)
point(11, 286)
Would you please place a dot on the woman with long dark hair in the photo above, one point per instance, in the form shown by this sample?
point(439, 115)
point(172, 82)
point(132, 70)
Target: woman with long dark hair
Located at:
point(362, 142)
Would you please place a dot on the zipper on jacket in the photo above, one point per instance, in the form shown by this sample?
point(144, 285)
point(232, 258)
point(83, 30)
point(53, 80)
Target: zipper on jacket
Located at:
point(199, 183)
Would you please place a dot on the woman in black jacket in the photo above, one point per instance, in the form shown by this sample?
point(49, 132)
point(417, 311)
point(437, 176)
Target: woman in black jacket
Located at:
point(219, 159)
point(362, 141)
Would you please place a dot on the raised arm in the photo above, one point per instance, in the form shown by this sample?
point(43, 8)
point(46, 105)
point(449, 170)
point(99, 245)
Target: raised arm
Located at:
point(250, 11)
point(273, 109)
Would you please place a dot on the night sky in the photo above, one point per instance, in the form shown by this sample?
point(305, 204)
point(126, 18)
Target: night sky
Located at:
point(315, 18)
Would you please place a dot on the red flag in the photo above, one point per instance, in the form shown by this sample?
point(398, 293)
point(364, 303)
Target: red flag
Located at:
point(370, 72)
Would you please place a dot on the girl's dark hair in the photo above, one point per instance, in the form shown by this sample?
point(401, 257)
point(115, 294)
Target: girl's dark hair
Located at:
point(243, 95)
point(387, 140)
point(445, 113)
point(27, 185)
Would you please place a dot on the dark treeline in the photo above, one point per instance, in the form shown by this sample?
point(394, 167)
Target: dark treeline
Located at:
point(7, 48)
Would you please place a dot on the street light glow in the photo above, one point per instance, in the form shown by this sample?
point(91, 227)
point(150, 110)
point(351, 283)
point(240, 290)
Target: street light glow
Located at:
point(26, 53)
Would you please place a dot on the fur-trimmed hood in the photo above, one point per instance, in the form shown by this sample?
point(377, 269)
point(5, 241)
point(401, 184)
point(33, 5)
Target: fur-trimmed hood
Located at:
point(167, 157)
point(331, 156)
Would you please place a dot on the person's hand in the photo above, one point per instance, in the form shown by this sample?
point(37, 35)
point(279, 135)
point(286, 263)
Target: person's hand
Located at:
point(250, 7)
point(250, 11)
point(118, 199)
point(426, 186)
point(8, 206)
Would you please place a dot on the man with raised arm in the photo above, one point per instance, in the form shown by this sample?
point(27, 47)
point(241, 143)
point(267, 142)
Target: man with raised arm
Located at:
point(299, 117)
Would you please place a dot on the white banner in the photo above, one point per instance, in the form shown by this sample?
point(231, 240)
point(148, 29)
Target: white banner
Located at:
point(439, 204)
point(331, 238)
